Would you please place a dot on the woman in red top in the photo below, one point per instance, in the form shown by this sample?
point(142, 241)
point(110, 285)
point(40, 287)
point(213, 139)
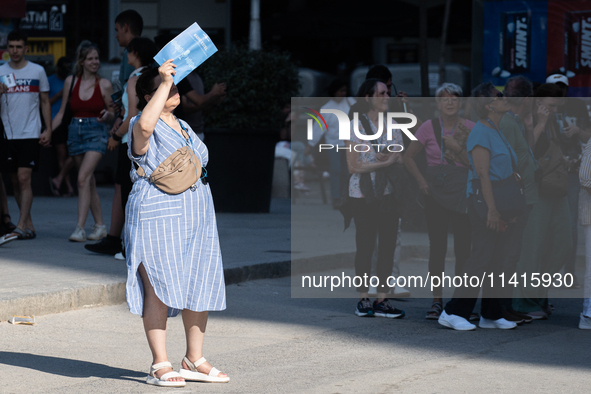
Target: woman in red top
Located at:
point(87, 134)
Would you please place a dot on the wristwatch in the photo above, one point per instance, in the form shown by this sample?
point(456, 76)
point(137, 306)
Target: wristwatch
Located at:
point(116, 137)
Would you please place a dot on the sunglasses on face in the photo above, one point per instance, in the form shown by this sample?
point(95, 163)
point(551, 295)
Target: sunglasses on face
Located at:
point(158, 87)
point(498, 96)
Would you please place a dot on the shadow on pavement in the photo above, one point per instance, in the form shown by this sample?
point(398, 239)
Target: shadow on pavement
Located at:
point(556, 342)
point(67, 367)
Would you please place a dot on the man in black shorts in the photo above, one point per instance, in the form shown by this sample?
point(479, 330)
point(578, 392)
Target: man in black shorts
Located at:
point(22, 124)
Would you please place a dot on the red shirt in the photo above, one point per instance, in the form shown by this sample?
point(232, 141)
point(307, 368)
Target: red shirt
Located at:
point(90, 108)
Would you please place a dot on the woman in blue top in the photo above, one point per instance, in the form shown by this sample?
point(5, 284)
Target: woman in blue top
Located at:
point(173, 254)
point(491, 159)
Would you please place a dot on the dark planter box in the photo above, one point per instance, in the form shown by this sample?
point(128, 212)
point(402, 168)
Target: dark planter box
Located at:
point(240, 168)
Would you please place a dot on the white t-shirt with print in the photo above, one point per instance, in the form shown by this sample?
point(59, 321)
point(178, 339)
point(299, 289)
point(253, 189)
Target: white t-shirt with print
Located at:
point(332, 122)
point(20, 104)
point(367, 154)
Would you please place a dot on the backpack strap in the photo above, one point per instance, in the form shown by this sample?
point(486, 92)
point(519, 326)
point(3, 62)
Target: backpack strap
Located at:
point(368, 130)
point(437, 130)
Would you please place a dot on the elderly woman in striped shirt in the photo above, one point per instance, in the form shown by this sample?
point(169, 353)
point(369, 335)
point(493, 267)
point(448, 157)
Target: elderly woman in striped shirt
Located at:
point(173, 254)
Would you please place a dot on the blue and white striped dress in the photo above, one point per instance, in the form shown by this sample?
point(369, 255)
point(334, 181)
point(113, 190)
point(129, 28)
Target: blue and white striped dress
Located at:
point(174, 236)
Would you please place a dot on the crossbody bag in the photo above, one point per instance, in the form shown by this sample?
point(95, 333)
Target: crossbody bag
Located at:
point(447, 182)
point(178, 172)
point(508, 193)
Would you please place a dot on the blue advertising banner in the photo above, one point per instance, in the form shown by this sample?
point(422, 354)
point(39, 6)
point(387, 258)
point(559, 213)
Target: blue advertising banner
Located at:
point(188, 50)
point(515, 40)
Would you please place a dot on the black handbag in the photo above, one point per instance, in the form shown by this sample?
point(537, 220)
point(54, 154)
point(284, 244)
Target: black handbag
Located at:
point(509, 193)
point(447, 182)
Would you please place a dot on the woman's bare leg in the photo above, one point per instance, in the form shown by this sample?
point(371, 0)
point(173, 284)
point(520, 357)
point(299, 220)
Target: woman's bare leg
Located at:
point(155, 315)
point(87, 194)
point(195, 323)
point(95, 203)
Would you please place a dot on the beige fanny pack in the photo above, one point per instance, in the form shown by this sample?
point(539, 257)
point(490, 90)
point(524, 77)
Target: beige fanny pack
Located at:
point(179, 172)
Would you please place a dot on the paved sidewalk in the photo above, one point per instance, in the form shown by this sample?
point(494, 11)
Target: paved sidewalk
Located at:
point(51, 274)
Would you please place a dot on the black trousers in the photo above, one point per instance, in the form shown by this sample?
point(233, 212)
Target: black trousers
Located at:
point(122, 176)
point(489, 252)
point(512, 258)
point(438, 221)
point(371, 222)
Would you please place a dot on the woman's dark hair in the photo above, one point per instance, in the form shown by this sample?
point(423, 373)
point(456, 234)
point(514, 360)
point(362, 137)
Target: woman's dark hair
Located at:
point(479, 93)
point(546, 90)
point(367, 88)
point(380, 72)
point(144, 48)
point(145, 85)
point(335, 85)
point(549, 90)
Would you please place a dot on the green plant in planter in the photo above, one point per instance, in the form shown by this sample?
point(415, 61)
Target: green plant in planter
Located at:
point(259, 84)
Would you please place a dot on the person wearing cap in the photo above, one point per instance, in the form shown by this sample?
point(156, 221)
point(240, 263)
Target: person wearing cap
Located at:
point(575, 129)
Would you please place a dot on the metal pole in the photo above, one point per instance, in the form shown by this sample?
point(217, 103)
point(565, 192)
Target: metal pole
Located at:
point(424, 52)
point(255, 25)
point(114, 7)
point(443, 41)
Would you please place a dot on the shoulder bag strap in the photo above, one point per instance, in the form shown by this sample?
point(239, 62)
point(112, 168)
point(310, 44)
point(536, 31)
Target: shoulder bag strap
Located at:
point(513, 164)
point(367, 127)
point(438, 131)
point(71, 88)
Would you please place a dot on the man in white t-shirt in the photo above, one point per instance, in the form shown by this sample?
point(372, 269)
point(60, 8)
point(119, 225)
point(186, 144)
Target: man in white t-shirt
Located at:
point(337, 90)
point(22, 124)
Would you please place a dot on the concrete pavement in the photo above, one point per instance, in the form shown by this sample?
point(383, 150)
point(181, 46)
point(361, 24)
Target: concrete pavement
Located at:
point(268, 342)
point(51, 274)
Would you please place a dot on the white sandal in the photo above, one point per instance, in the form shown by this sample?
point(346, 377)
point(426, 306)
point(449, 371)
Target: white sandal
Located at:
point(163, 380)
point(192, 374)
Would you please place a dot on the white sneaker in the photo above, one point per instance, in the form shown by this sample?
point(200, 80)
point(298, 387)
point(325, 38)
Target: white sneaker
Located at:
point(98, 232)
point(119, 256)
point(79, 235)
point(499, 323)
point(400, 292)
point(585, 322)
point(456, 322)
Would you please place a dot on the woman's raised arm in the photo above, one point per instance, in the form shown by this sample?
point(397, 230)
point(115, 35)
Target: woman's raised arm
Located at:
point(144, 127)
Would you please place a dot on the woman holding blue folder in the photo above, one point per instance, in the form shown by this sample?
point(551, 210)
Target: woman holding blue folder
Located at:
point(173, 254)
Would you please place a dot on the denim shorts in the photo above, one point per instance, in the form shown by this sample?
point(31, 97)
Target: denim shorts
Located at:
point(86, 134)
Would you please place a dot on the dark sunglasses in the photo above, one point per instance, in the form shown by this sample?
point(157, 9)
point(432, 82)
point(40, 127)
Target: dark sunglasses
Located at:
point(498, 96)
point(157, 88)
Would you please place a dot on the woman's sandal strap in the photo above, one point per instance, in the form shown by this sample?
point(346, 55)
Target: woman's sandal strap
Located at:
point(214, 372)
point(193, 365)
point(21, 233)
point(168, 375)
point(156, 367)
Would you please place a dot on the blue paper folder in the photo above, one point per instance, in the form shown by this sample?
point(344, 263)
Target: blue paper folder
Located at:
point(188, 50)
